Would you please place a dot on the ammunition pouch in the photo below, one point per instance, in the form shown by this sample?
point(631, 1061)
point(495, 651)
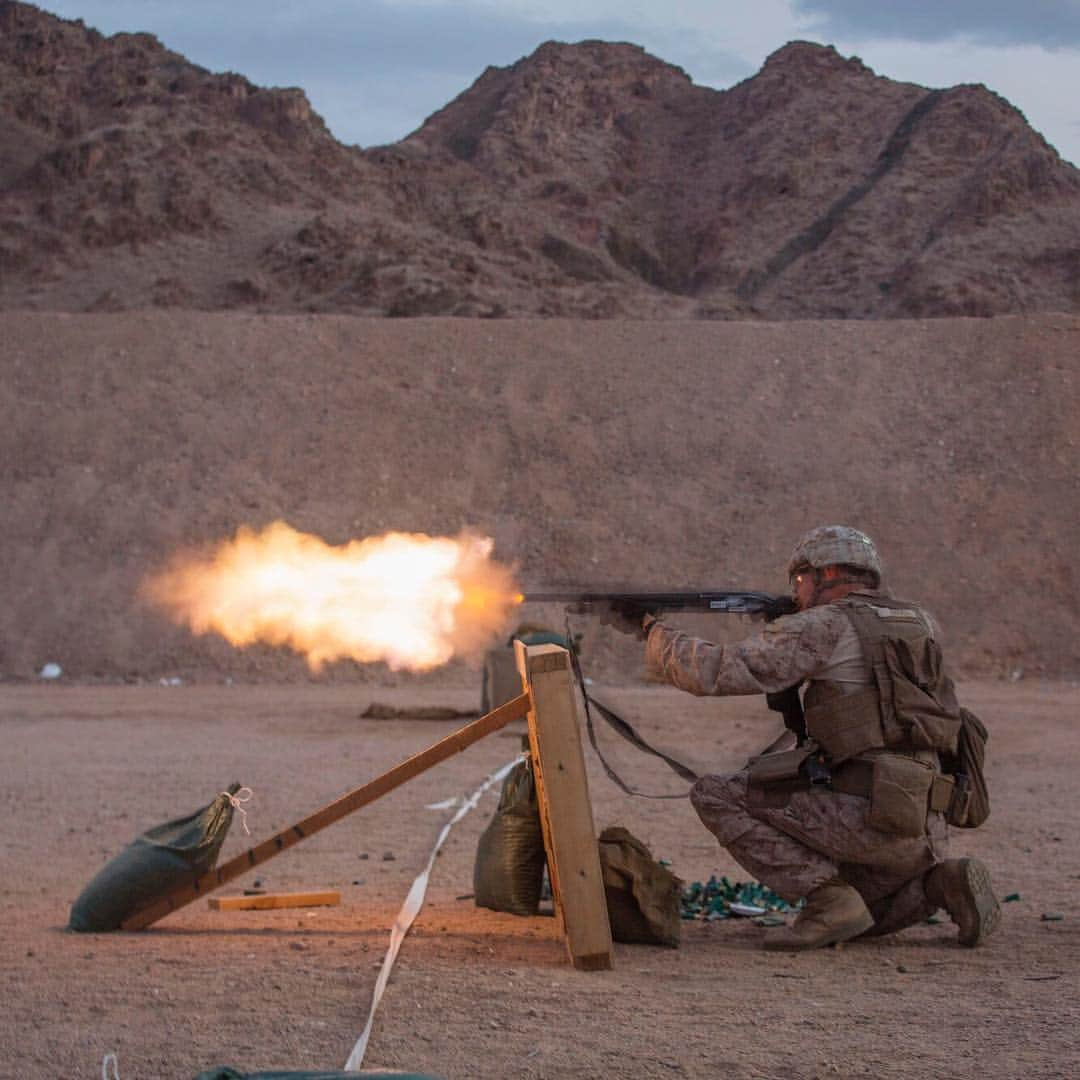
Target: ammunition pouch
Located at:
point(846, 725)
point(911, 703)
point(772, 778)
point(902, 787)
point(899, 795)
point(902, 790)
point(971, 806)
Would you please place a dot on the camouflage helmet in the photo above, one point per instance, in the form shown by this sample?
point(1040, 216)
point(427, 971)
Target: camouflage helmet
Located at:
point(835, 545)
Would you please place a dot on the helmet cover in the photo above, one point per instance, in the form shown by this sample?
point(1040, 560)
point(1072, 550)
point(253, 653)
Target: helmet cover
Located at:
point(835, 545)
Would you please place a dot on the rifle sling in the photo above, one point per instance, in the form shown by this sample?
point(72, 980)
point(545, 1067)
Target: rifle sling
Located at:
point(625, 729)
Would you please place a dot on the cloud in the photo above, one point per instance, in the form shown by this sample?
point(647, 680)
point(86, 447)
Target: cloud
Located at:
point(1042, 83)
point(376, 69)
point(326, 36)
point(1052, 24)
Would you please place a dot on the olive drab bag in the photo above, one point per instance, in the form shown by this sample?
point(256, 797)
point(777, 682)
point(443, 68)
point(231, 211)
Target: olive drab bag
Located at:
point(918, 706)
point(510, 857)
point(972, 800)
point(153, 865)
point(643, 895)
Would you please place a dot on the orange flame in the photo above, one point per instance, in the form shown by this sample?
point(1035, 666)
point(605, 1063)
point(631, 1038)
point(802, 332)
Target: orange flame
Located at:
point(410, 600)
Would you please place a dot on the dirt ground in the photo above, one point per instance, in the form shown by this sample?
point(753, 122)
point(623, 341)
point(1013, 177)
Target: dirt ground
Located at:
point(477, 994)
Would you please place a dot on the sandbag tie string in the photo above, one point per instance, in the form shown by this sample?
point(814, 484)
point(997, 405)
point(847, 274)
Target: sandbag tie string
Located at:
point(237, 802)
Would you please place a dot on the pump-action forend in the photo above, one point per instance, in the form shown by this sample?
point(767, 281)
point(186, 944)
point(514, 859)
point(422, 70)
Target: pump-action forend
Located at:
point(729, 601)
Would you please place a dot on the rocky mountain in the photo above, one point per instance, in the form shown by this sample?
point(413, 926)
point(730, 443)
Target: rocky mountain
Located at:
point(588, 180)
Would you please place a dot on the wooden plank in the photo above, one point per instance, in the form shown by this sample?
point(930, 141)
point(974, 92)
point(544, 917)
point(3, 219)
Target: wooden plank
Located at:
point(263, 901)
point(335, 811)
point(565, 810)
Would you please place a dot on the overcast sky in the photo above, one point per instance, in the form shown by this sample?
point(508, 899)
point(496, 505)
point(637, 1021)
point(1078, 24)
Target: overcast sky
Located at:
point(375, 69)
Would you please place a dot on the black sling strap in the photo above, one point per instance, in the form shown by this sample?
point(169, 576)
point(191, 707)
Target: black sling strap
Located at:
point(623, 728)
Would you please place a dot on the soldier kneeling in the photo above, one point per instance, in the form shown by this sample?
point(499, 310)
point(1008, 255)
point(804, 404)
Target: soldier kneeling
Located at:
point(854, 820)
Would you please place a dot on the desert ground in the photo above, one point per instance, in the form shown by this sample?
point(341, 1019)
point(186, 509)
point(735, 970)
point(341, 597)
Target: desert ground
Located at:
point(477, 994)
point(593, 454)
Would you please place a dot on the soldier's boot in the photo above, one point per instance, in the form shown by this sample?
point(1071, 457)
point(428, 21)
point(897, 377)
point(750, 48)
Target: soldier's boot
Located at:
point(834, 912)
point(962, 887)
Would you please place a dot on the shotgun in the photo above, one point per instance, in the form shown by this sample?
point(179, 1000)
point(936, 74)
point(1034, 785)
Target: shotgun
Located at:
point(727, 601)
point(730, 601)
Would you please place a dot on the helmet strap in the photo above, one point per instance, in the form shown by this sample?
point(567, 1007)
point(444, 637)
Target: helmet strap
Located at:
point(823, 583)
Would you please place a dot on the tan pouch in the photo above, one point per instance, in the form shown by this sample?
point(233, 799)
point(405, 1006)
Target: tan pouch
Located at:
point(899, 795)
point(783, 765)
point(847, 725)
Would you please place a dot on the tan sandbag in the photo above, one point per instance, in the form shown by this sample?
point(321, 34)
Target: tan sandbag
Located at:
point(501, 681)
point(643, 896)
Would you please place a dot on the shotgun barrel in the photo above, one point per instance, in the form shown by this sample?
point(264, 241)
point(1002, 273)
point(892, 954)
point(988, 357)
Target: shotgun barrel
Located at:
point(729, 601)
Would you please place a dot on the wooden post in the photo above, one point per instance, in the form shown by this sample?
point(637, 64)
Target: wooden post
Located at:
point(565, 810)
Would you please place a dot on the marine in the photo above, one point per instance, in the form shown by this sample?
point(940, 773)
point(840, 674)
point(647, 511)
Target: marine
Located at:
point(862, 836)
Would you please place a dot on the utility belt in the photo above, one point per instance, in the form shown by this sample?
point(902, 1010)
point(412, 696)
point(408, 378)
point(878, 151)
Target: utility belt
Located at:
point(903, 786)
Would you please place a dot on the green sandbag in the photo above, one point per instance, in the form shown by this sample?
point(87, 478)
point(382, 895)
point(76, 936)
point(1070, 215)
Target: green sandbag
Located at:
point(510, 857)
point(500, 681)
point(643, 896)
point(153, 865)
point(223, 1072)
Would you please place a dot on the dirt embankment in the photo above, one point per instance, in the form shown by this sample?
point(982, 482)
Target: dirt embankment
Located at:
point(675, 454)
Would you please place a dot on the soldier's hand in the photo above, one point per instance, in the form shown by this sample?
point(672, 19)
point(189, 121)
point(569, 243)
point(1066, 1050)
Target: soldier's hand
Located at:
point(625, 616)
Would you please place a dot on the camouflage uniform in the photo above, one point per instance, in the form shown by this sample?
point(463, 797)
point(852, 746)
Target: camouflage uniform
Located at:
point(810, 837)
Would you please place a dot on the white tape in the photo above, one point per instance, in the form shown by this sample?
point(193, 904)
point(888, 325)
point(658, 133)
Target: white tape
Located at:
point(413, 903)
point(444, 805)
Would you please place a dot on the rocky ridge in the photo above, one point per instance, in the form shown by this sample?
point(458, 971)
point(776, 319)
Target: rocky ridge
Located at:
point(587, 180)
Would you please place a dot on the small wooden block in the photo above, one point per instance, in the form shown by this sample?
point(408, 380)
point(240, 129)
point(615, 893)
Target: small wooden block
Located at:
point(551, 661)
point(328, 898)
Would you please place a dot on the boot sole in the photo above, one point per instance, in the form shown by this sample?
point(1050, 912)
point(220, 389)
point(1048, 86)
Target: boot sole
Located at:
point(980, 894)
point(840, 933)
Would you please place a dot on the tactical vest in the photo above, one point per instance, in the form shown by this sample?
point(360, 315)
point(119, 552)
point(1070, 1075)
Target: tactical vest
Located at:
point(911, 706)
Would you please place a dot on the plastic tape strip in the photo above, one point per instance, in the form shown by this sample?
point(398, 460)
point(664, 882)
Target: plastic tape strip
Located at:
point(411, 908)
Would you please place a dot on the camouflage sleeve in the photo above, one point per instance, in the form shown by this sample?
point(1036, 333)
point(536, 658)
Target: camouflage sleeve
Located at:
point(783, 653)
